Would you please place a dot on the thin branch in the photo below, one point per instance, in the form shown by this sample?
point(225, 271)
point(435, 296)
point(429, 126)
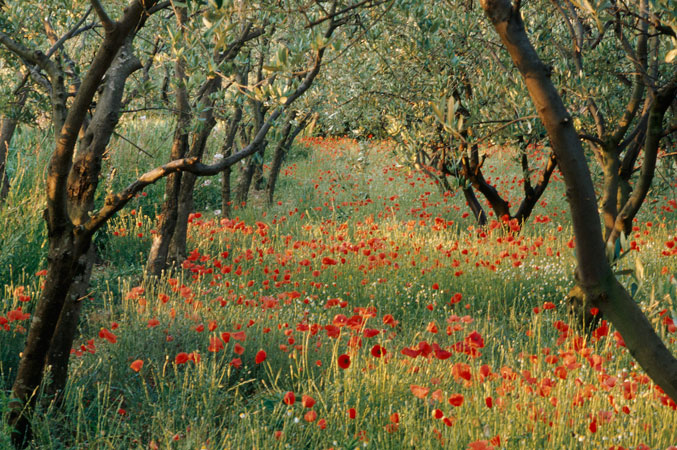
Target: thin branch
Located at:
point(133, 144)
point(595, 140)
point(106, 21)
point(159, 7)
point(74, 31)
point(343, 11)
point(506, 125)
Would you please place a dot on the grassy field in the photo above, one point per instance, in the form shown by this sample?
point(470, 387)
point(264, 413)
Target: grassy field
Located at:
point(365, 309)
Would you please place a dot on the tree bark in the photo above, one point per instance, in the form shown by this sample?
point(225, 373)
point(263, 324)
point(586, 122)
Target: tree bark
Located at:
point(227, 150)
point(7, 128)
point(68, 243)
point(177, 246)
point(288, 136)
point(159, 251)
point(593, 272)
point(83, 181)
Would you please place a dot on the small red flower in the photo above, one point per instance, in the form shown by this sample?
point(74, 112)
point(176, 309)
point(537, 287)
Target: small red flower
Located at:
point(456, 399)
point(344, 361)
point(181, 358)
point(377, 351)
point(307, 401)
point(260, 356)
point(289, 398)
point(137, 365)
point(419, 391)
point(215, 344)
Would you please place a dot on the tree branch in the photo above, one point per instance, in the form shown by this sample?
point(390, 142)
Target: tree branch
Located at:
point(106, 21)
point(74, 31)
point(115, 202)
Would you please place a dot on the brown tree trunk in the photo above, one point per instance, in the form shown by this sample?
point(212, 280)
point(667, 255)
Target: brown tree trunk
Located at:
point(83, 181)
point(7, 128)
point(245, 180)
point(68, 243)
point(593, 273)
point(159, 250)
point(29, 376)
point(177, 246)
point(475, 206)
point(227, 150)
point(610, 169)
point(654, 134)
point(286, 141)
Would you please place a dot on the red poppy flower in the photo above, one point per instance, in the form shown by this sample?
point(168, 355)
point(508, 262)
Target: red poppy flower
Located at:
point(377, 351)
point(456, 399)
point(419, 391)
point(310, 416)
point(107, 335)
point(370, 332)
point(236, 362)
point(289, 398)
point(215, 344)
point(307, 401)
point(410, 352)
point(344, 361)
point(238, 349)
point(480, 445)
point(137, 365)
point(181, 358)
point(352, 413)
point(260, 356)
point(239, 336)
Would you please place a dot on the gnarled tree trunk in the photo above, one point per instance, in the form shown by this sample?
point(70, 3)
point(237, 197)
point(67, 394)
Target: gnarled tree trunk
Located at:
point(82, 184)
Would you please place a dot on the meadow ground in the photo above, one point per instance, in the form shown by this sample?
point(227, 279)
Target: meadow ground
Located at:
point(363, 309)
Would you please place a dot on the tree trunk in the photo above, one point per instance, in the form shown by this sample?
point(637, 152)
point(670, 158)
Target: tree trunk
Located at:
point(159, 250)
point(281, 150)
point(610, 169)
point(29, 375)
point(7, 128)
point(227, 150)
point(593, 273)
point(245, 181)
point(83, 181)
point(177, 246)
point(68, 243)
point(475, 206)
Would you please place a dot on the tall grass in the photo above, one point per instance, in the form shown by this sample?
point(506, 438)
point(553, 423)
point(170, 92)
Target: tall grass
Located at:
point(359, 255)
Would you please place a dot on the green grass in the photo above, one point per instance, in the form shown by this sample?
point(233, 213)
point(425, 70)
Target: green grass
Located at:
point(401, 249)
